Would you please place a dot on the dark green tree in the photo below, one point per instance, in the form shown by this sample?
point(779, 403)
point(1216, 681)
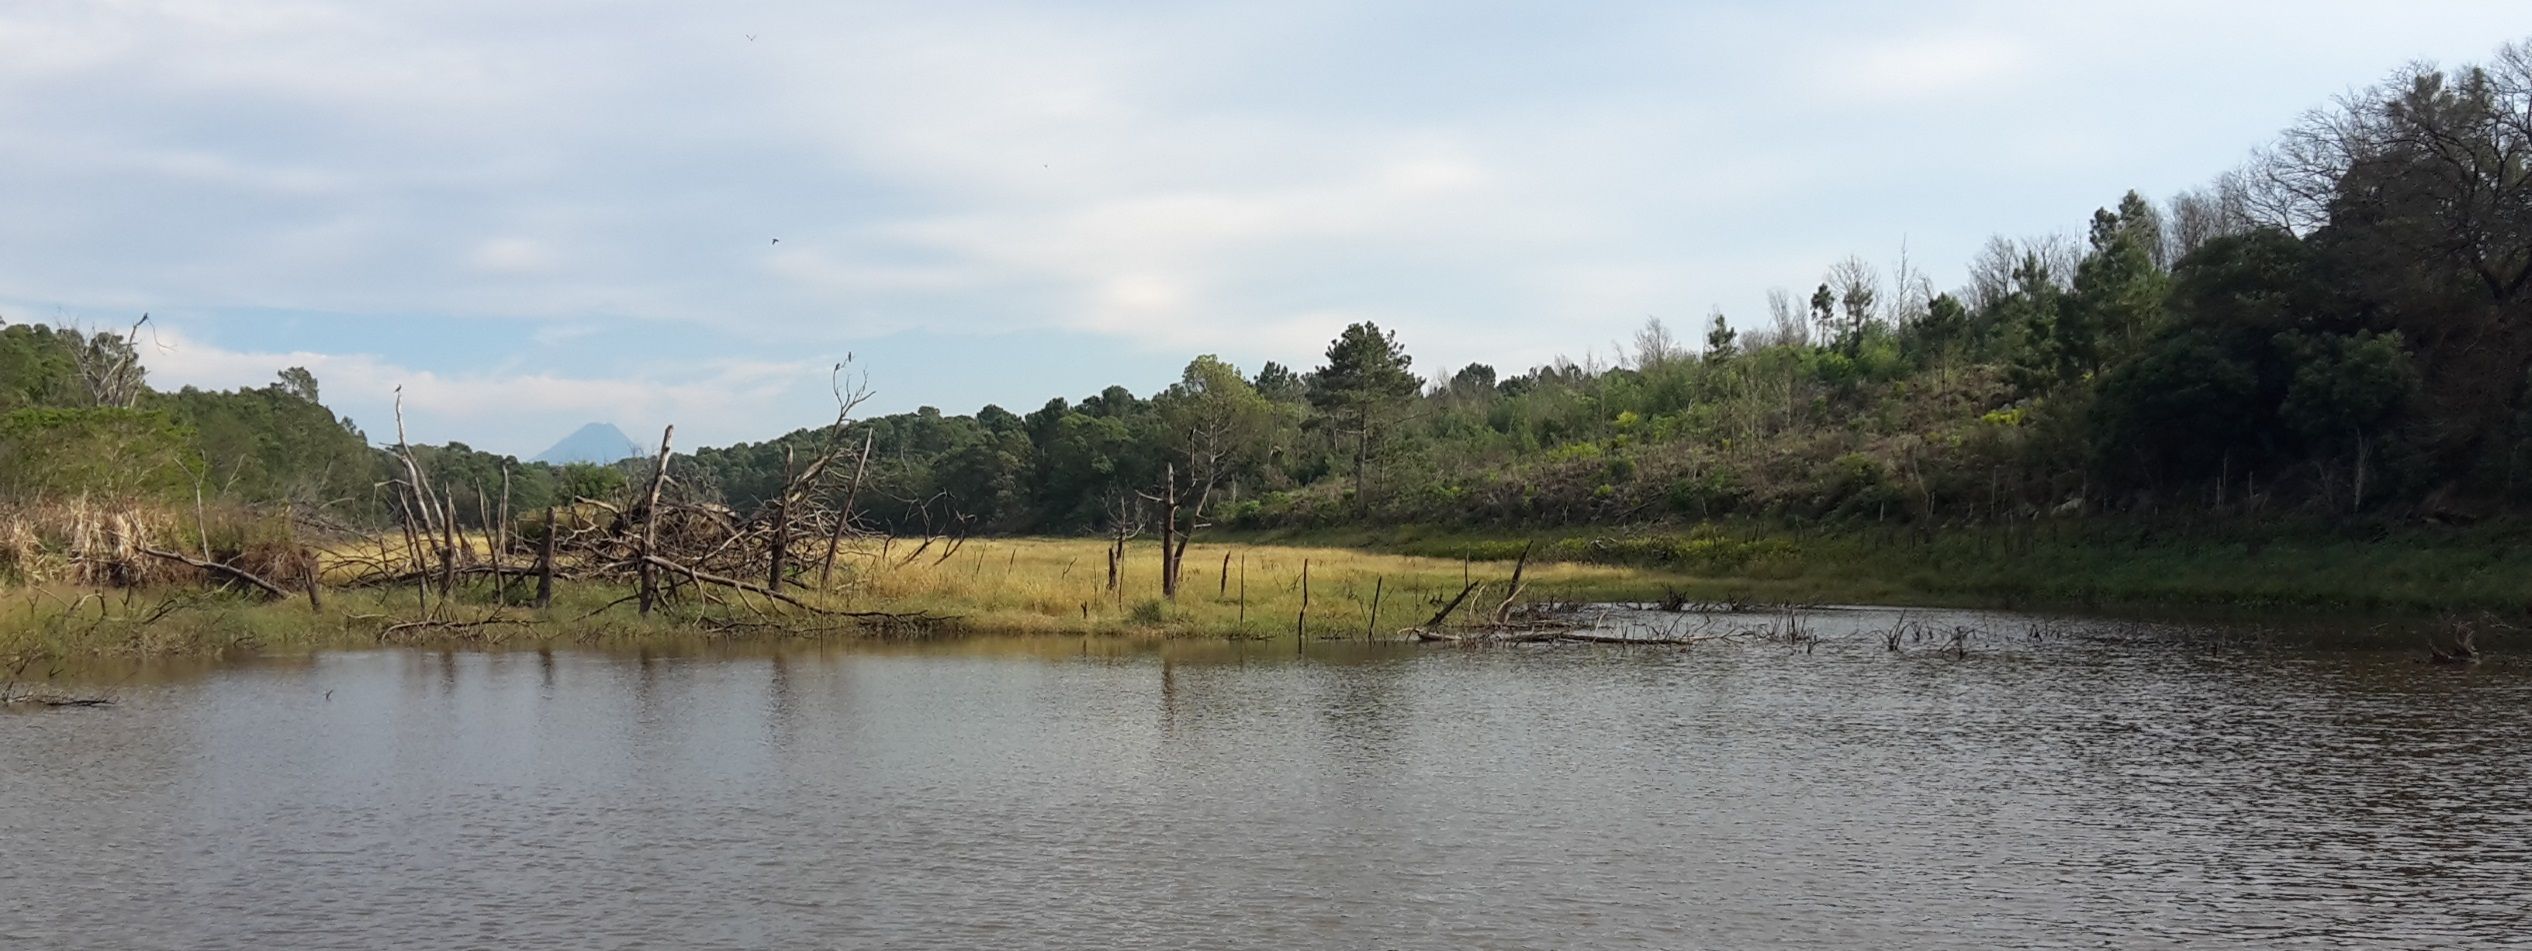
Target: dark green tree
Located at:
point(2346, 391)
point(1362, 386)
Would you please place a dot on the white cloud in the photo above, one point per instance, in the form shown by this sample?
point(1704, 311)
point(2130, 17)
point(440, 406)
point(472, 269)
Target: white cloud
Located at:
point(714, 400)
point(1924, 66)
point(513, 256)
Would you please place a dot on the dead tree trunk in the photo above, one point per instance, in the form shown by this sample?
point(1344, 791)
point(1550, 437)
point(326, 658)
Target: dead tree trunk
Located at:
point(649, 573)
point(844, 516)
point(1169, 532)
point(1373, 623)
point(413, 550)
point(1301, 621)
point(448, 550)
point(501, 539)
point(545, 562)
point(782, 526)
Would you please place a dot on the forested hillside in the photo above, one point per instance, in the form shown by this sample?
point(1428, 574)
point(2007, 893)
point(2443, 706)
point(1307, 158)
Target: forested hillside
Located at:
point(2341, 328)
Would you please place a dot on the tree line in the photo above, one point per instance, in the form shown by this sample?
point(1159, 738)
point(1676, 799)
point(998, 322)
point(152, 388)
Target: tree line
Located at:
point(2341, 327)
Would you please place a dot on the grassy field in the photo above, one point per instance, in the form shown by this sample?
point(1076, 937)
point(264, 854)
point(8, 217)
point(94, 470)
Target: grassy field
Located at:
point(2389, 569)
point(1023, 586)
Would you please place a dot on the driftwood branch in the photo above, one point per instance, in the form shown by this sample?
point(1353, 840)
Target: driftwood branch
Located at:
point(1503, 612)
point(1445, 613)
point(706, 577)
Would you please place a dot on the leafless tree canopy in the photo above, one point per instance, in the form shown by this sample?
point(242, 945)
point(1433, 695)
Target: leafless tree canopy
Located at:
point(2438, 163)
point(1655, 346)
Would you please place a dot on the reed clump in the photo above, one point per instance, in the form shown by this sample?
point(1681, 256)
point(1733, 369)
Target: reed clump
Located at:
point(87, 542)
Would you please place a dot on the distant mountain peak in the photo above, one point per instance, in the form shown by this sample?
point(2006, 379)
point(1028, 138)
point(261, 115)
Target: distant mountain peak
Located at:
point(599, 443)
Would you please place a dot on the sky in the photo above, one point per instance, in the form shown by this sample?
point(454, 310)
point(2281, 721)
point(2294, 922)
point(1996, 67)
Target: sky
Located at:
point(532, 214)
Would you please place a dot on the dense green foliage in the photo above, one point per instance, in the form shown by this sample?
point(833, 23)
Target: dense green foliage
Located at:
point(76, 417)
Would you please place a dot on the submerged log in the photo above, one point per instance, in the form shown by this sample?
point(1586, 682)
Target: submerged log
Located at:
point(1577, 637)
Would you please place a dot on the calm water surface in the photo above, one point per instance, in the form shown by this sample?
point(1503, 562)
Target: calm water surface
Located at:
point(2097, 787)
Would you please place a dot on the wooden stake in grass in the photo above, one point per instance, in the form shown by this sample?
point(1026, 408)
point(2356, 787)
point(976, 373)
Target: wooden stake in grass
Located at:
point(1373, 622)
point(1301, 621)
point(545, 561)
point(1244, 590)
point(1225, 587)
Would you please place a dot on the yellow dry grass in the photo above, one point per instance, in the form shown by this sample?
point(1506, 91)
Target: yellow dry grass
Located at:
point(1047, 585)
point(1000, 586)
point(1060, 585)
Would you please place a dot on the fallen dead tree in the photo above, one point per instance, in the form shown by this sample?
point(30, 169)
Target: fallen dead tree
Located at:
point(270, 590)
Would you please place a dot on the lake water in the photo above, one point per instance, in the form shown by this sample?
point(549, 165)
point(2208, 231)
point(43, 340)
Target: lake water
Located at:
point(2095, 786)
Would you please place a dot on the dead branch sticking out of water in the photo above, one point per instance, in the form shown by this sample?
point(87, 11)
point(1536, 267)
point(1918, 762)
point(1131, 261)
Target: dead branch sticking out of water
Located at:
point(1444, 615)
point(10, 695)
point(53, 700)
point(1503, 612)
point(1574, 637)
point(2459, 645)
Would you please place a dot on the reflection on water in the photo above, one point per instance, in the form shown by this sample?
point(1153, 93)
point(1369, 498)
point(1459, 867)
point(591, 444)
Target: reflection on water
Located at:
point(2073, 789)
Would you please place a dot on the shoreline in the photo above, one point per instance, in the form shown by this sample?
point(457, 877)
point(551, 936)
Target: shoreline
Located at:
point(1247, 586)
point(2407, 572)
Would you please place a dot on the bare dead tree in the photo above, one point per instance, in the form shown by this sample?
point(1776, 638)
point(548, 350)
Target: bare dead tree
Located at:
point(1125, 521)
point(2195, 217)
point(1167, 499)
point(1856, 287)
point(648, 562)
point(1785, 323)
point(1655, 345)
point(110, 366)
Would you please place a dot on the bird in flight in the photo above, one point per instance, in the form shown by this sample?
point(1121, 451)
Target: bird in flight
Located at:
point(777, 240)
point(751, 37)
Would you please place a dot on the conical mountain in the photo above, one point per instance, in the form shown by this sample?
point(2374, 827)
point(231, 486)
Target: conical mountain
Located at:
point(600, 443)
